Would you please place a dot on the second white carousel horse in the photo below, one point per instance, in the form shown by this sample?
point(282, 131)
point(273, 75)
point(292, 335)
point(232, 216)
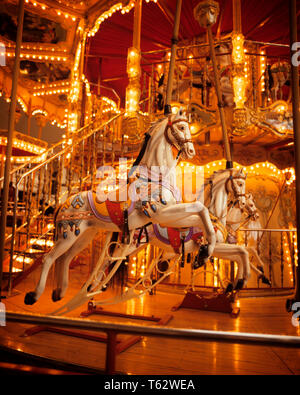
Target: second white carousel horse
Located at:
point(235, 221)
point(86, 213)
point(172, 241)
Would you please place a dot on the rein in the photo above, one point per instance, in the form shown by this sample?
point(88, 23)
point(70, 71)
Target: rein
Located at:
point(140, 155)
point(179, 140)
point(230, 179)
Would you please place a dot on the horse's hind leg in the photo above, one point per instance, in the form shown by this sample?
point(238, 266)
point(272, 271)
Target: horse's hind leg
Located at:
point(64, 261)
point(59, 248)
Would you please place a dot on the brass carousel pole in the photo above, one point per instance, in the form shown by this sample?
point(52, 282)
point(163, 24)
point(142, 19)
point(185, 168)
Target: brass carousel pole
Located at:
point(174, 40)
point(11, 124)
point(296, 121)
point(206, 13)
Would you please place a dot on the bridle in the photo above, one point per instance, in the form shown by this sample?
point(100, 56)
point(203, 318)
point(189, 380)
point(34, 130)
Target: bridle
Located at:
point(178, 139)
point(243, 209)
point(233, 187)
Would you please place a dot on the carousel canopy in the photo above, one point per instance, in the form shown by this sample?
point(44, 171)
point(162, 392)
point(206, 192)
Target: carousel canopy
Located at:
point(262, 21)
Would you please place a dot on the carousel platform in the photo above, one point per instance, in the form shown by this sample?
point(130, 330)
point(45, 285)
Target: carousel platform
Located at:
point(62, 354)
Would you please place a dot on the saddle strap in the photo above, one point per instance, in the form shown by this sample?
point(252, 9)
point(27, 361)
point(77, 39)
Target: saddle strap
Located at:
point(115, 213)
point(174, 238)
point(120, 218)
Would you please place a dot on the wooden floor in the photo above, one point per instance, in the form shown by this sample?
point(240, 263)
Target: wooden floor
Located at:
point(164, 355)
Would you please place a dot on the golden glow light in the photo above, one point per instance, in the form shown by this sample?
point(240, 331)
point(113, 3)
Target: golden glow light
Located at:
point(132, 99)
point(262, 70)
point(239, 88)
point(238, 60)
point(238, 54)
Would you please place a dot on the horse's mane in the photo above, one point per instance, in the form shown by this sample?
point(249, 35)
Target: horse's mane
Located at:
point(154, 125)
point(212, 181)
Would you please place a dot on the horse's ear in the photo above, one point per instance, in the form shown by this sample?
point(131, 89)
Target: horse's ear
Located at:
point(180, 114)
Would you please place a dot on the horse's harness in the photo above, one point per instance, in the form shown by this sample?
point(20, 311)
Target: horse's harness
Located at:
point(233, 187)
point(178, 139)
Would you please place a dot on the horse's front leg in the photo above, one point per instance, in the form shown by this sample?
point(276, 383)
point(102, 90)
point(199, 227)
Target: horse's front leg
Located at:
point(238, 254)
point(260, 269)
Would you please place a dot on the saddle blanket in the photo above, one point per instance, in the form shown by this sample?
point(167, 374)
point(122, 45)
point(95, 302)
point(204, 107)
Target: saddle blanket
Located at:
point(104, 210)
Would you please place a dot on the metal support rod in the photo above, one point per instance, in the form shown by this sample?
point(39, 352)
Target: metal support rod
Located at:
point(11, 127)
point(174, 40)
point(229, 164)
point(110, 364)
point(296, 121)
point(258, 339)
point(136, 43)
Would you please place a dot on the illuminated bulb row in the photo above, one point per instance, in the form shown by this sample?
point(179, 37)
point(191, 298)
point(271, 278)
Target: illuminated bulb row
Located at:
point(292, 173)
point(37, 57)
point(22, 104)
point(23, 146)
point(110, 12)
point(75, 85)
point(44, 8)
point(40, 112)
point(72, 121)
point(247, 66)
point(48, 86)
point(105, 15)
point(263, 70)
point(44, 48)
point(109, 101)
point(52, 92)
point(256, 169)
point(87, 85)
point(58, 124)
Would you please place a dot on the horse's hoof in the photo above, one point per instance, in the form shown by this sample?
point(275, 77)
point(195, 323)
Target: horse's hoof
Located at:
point(239, 285)
point(229, 288)
point(289, 304)
point(56, 295)
point(265, 280)
point(202, 257)
point(199, 262)
point(30, 298)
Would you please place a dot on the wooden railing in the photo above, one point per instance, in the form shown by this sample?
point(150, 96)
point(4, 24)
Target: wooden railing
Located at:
point(113, 329)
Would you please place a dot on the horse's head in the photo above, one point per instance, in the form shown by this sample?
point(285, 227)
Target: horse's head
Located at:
point(178, 134)
point(250, 208)
point(236, 185)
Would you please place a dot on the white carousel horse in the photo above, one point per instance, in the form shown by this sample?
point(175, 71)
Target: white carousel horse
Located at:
point(222, 184)
point(84, 214)
point(235, 221)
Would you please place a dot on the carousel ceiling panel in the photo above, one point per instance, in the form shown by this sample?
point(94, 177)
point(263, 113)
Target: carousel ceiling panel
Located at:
point(44, 72)
point(262, 20)
point(36, 28)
